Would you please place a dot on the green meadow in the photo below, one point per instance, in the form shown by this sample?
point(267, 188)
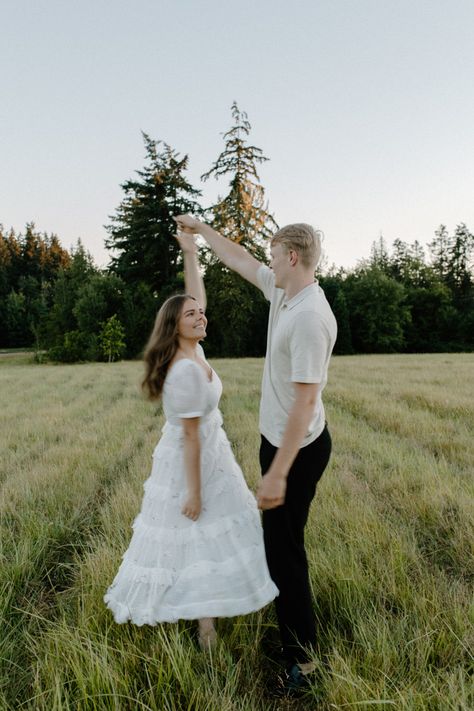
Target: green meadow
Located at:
point(390, 542)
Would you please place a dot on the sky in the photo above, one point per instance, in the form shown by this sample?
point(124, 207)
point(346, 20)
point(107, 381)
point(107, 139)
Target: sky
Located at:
point(365, 109)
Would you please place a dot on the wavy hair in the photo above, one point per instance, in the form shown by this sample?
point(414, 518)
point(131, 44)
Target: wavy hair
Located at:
point(162, 345)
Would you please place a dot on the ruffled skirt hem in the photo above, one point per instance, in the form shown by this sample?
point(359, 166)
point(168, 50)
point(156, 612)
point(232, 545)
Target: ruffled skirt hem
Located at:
point(208, 608)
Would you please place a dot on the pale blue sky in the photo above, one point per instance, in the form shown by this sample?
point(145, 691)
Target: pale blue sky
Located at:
point(364, 107)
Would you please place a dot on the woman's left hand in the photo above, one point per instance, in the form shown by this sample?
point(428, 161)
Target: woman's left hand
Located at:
point(192, 507)
point(187, 242)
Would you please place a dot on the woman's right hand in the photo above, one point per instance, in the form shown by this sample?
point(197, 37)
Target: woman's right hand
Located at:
point(188, 224)
point(187, 242)
point(192, 507)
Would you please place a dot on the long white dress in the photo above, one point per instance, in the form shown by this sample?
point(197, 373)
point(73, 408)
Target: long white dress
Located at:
point(176, 568)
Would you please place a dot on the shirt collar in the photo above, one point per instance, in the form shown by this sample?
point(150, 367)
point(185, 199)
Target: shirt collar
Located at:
point(297, 298)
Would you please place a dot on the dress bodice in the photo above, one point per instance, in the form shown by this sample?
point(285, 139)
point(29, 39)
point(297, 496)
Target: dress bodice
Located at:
point(188, 391)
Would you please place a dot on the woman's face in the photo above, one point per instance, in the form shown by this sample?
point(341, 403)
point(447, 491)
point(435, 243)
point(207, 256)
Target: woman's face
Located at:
point(192, 322)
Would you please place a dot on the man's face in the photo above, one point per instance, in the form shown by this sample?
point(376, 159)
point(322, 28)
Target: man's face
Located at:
point(280, 264)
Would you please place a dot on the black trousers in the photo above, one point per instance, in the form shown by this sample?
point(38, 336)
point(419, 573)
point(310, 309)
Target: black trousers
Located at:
point(283, 530)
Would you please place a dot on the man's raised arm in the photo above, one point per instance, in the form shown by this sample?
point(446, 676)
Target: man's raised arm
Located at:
point(230, 253)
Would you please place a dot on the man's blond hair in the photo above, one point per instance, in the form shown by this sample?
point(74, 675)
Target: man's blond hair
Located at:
point(303, 239)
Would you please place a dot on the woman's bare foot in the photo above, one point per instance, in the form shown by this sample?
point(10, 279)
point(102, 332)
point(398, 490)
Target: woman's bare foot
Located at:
point(207, 633)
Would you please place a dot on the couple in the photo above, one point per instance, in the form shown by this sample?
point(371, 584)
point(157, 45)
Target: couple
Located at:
point(197, 550)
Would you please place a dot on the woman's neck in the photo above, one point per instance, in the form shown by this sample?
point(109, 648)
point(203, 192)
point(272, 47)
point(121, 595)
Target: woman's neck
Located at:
point(188, 348)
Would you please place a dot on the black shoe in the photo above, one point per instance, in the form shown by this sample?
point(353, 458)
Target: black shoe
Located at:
point(296, 682)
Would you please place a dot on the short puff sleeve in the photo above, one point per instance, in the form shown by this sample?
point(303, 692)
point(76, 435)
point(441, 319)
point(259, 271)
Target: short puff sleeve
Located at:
point(188, 396)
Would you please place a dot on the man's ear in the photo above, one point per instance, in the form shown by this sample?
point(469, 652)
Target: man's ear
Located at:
point(293, 257)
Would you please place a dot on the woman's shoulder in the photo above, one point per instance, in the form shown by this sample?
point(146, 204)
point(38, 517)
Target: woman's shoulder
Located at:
point(184, 372)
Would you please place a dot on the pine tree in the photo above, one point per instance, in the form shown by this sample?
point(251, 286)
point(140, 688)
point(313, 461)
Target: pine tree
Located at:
point(439, 249)
point(407, 264)
point(5, 262)
point(237, 310)
point(343, 344)
point(32, 252)
point(69, 282)
point(141, 233)
point(460, 261)
point(379, 255)
point(242, 215)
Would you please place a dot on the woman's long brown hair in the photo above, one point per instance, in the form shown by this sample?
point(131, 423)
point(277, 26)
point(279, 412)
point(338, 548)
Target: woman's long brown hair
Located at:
point(162, 345)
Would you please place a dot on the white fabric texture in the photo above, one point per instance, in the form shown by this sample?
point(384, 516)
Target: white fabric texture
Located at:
point(176, 568)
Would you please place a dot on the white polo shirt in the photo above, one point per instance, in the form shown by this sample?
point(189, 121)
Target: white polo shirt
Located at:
point(301, 335)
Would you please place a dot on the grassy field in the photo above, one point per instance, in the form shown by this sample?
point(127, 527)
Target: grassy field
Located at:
point(390, 541)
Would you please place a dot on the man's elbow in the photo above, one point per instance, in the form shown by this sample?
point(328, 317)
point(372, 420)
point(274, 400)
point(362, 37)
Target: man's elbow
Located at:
point(306, 395)
point(309, 403)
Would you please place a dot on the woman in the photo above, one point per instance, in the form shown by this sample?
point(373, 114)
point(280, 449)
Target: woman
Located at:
point(197, 547)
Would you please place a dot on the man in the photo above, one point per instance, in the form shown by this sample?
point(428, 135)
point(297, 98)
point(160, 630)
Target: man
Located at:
point(296, 444)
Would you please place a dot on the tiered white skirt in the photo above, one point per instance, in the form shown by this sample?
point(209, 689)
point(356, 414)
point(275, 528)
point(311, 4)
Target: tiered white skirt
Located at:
point(178, 569)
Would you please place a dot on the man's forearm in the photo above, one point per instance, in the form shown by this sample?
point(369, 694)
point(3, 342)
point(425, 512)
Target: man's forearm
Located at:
point(225, 249)
point(271, 492)
point(231, 254)
point(295, 431)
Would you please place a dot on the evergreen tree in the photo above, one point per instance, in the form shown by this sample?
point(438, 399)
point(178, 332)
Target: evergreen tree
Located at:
point(32, 252)
point(439, 248)
point(54, 258)
point(237, 310)
point(29, 265)
point(461, 283)
point(407, 264)
point(17, 332)
point(242, 215)
point(13, 259)
point(237, 314)
point(343, 345)
point(453, 262)
point(137, 316)
point(432, 317)
point(5, 261)
point(69, 282)
point(378, 312)
point(379, 256)
point(460, 261)
point(141, 232)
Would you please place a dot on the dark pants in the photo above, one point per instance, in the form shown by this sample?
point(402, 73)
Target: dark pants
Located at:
point(283, 530)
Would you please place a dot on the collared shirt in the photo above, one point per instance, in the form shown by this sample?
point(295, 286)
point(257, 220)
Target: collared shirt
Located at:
point(301, 335)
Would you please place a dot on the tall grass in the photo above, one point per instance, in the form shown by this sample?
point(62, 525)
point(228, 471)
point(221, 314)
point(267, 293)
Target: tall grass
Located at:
point(390, 543)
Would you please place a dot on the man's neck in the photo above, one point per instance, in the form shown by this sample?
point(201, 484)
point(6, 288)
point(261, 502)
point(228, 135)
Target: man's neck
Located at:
point(298, 285)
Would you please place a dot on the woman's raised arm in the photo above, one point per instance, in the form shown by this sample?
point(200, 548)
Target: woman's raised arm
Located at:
point(193, 282)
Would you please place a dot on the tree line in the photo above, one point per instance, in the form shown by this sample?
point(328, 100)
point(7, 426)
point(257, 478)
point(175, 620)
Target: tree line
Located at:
point(60, 303)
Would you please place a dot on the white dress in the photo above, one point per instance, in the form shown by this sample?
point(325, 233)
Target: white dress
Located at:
point(176, 568)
